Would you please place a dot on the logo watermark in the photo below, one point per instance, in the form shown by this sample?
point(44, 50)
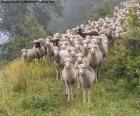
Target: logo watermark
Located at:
point(27, 1)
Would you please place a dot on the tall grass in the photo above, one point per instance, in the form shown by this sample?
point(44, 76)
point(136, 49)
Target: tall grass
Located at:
point(32, 90)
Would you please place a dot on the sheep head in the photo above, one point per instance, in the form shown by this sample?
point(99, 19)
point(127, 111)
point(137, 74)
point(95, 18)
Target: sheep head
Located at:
point(72, 50)
point(37, 43)
point(79, 57)
point(82, 68)
point(68, 63)
point(24, 53)
point(56, 50)
point(92, 48)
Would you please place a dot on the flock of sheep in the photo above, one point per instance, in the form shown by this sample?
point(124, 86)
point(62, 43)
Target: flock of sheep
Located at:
point(79, 53)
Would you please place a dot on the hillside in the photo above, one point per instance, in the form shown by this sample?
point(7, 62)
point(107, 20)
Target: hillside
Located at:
point(31, 89)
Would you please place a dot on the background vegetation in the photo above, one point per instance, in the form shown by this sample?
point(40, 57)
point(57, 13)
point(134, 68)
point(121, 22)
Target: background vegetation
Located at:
point(31, 22)
point(32, 90)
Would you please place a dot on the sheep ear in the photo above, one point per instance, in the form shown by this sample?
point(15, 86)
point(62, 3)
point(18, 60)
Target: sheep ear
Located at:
point(68, 48)
point(22, 50)
point(35, 41)
point(89, 45)
point(72, 60)
point(105, 40)
point(96, 46)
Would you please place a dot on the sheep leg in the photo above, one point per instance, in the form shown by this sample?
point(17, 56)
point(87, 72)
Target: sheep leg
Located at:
point(57, 72)
point(71, 93)
point(78, 83)
point(99, 69)
point(84, 95)
point(89, 94)
point(66, 85)
point(96, 74)
point(78, 79)
point(60, 73)
point(68, 89)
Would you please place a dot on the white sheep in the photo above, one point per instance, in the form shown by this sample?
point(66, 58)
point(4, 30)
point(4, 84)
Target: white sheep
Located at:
point(87, 77)
point(28, 55)
point(69, 77)
point(95, 58)
point(103, 44)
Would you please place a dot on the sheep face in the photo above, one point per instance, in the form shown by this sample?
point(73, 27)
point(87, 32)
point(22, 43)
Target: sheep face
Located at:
point(92, 50)
point(82, 68)
point(77, 44)
point(69, 32)
point(73, 52)
point(79, 57)
point(47, 42)
point(67, 63)
point(74, 31)
point(24, 52)
point(64, 44)
point(85, 45)
point(37, 44)
point(56, 51)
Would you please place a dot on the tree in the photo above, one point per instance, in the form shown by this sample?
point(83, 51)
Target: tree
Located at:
point(24, 23)
point(13, 15)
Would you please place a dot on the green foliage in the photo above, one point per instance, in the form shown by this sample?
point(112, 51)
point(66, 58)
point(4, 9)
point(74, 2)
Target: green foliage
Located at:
point(125, 57)
point(105, 9)
point(38, 93)
point(12, 49)
point(14, 15)
point(32, 90)
point(24, 23)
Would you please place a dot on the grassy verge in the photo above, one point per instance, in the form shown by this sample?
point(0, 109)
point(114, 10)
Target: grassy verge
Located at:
point(32, 90)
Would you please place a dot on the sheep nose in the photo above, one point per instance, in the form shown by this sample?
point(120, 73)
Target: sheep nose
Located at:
point(76, 46)
point(63, 46)
point(79, 59)
point(92, 51)
point(55, 52)
point(80, 72)
point(47, 43)
point(67, 65)
point(85, 46)
point(73, 52)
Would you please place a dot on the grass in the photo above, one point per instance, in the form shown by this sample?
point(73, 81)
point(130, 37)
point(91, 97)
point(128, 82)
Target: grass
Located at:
point(32, 90)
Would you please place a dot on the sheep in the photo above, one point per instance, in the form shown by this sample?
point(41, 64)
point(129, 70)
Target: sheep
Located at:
point(59, 56)
point(95, 58)
point(79, 47)
point(79, 59)
point(40, 49)
point(87, 77)
point(56, 38)
point(49, 45)
point(72, 51)
point(84, 34)
point(103, 44)
point(63, 45)
point(43, 44)
point(69, 77)
point(85, 46)
point(56, 59)
point(28, 55)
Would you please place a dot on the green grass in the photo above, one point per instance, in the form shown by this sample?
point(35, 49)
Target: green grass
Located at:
point(32, 90)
